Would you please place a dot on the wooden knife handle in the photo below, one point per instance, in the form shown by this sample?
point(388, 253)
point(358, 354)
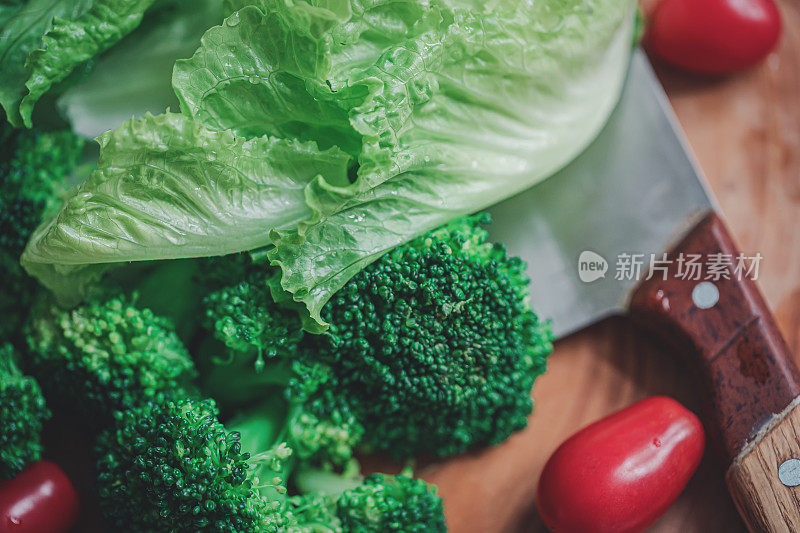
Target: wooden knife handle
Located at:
point(752, 385)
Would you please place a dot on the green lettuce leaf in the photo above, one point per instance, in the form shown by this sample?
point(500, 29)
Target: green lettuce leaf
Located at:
point(334, 73)
point(134, 76)
point(408, 114)
point(43, 41)
point(167, 187)
point(72, 42)
point(23, 26)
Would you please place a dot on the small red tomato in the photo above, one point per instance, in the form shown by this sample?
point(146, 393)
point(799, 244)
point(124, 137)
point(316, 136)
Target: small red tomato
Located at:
point(620, 474)
point(714, 36)
point(40, 499)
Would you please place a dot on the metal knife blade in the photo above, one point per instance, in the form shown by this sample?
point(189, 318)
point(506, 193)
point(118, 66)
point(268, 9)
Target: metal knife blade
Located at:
point(634, 190)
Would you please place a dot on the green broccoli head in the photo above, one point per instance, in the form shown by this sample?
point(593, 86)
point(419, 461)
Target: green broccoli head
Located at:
point(23, 413)
point(106, 356)
point(31, 177)
point(300, 407)
point(244, 318)
point(431, 349)
point(170, 465)
point(324, 432)
point(435, 344)
point(34, 169)
point(391, 503)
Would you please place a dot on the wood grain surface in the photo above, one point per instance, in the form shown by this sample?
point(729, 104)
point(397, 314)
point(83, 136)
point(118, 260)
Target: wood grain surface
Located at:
point(745, 131)
point(764, 502)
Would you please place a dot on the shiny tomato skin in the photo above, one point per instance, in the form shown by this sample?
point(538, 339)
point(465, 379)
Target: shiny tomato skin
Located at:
point(620, 474)
point(713, 36)
point(40, 499)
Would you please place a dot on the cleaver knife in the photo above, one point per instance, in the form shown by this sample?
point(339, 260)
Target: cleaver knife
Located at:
point(596, 231)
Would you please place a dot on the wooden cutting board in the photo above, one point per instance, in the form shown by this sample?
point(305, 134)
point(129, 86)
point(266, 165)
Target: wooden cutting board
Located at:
point(745, 131)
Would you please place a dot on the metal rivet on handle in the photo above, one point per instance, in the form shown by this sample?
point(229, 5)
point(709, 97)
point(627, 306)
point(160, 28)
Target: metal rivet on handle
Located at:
point(789, 472)
point(705, 295)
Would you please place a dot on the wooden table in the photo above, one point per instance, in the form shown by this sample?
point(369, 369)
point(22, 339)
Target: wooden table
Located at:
point(745, 131)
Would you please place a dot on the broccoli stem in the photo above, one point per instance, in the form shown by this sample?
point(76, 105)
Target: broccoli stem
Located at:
point(262, 432)
point(315, 480)
point(235, 382)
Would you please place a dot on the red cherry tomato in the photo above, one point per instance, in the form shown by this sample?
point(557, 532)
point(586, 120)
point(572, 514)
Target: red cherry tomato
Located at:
point(40, 499)
point(620, 474)
point(714, 36)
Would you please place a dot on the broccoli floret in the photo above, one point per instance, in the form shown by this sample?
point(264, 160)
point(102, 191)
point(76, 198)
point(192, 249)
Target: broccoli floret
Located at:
point(378, 503)
point(174, 289)
point(435, 344)
point(34, 169)
point(23, 413)
point(106, 356)
point(310, 417)
point(432, 349)
point(327, 476)
point(314, 513)
point(31, 180)
point(391, 503)
point(254, 347)
point(172, 466)
point(245, 319)
point(262, 355)
point(324, 432)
